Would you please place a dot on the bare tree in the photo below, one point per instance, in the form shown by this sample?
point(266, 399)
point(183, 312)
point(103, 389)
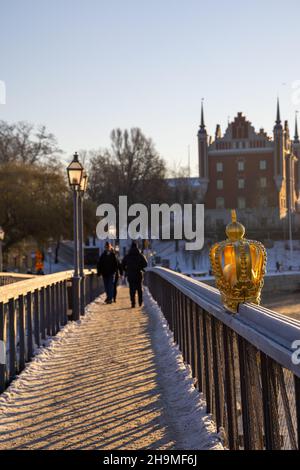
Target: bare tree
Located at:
point(131, 167)
point(21, 142)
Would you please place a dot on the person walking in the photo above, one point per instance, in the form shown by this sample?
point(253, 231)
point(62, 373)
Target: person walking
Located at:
point(107, 267)
point(134, 264)
point(119, 273)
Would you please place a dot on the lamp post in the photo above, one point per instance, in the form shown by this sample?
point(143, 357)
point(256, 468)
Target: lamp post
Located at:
point(2, 235)
point(290, 208)
point(82, 190)
point(75, 173)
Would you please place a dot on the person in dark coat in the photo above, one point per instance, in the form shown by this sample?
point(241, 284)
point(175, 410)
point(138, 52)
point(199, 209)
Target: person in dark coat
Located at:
point(107, 267)
point(134, 264)
point(118, 272)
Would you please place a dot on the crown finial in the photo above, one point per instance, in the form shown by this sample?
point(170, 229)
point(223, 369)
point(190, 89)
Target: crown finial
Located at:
point(238, 265)
point(235, 230)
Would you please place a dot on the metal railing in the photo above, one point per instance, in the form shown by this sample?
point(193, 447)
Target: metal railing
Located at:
point(241, 363)
point(10, 278)
point(32, 310)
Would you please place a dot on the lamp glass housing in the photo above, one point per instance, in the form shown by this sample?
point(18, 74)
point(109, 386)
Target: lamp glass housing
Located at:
point(83, 183)
point(75, 172)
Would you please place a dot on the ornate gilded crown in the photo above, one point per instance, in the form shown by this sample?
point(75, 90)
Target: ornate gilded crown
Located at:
point(238, 266)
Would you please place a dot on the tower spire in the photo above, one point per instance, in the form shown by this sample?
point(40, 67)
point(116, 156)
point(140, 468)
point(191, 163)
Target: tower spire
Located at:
point(202, 125)
point(278, 120)
point(296, 137)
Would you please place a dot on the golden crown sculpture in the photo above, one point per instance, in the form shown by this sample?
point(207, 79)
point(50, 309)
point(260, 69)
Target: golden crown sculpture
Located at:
point(239, 266)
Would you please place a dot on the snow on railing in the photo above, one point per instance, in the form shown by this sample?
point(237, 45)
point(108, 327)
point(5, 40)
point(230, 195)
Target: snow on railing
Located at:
point(246, 364)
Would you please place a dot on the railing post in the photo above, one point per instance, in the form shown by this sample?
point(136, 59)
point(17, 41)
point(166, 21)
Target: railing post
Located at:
point(172, 306)
point(48, 310)
point(12, 339)
point(29, 325)
point(61, 303)
point(174, 319)
point(185, 320)
point(194, 340)
point(178, 331)
point(207, 364)
point(188, 330)
point(230, 390)
point(297, 400)
point(251, 396)
point(22, 351)
point(65, 294)
point(2, 338)
point(198, 346)
point(218, 393)
point(270, 403)
point(36, 315)
point(42, 313)
point(57, 307)
point(54, 309)
point(181, 300)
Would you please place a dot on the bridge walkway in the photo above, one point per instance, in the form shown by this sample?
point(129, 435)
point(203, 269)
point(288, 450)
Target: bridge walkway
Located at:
point(104, 383)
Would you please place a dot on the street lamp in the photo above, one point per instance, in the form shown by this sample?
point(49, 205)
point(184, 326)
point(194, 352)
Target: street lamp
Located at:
point(2, 235)
point(82, 190)
point(75, 173)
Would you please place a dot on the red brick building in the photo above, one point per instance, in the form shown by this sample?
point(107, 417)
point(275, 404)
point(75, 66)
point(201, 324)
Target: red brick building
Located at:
point(250, 171)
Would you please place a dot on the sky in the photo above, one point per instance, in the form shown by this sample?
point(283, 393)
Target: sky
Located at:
point(84, 67)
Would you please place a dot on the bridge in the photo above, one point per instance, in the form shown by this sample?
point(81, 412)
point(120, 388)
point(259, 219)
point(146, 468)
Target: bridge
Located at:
point(180, 373)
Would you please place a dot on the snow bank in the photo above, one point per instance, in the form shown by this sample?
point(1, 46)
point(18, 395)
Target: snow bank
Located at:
point(184, 405)
point(45, 353)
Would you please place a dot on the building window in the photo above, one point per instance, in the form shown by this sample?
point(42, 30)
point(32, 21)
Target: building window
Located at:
point(263, 182)
point(262, 165)
point(241, 165)
point(220, 203)
point(263, 201)
point(241, 183)
point(219, 167)
point(241, 203)
point(219, 184)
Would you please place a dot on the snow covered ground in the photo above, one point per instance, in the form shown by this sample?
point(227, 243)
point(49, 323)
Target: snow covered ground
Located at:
point(198, 262)
point(190, 262)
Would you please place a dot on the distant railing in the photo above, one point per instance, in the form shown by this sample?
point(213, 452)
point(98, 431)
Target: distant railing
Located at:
point(33, 309)
point(10, 278)
point(241, 363)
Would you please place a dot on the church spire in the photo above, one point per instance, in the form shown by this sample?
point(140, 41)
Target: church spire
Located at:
point(203, 151)
point(278, 120)
point(202, 125)
point(296, 137)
